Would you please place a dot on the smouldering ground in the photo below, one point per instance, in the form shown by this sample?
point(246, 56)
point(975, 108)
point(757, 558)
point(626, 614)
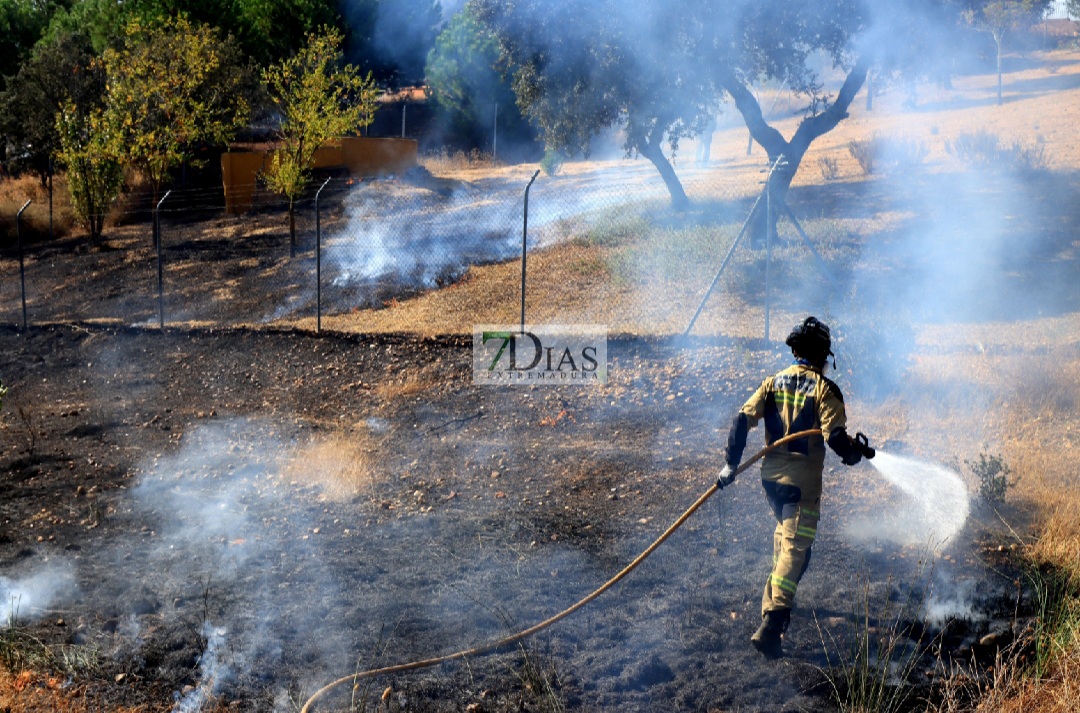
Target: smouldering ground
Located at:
point(301, 506)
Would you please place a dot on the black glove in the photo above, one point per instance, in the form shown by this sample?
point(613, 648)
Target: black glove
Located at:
point(726, 477)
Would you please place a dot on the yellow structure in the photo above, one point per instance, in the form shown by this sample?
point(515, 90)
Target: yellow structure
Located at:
point(360, 156)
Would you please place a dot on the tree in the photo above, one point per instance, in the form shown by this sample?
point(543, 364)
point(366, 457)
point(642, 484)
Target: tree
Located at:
point(464, 78)
point(391, 38)
point(318, 99)
point(88, 148)
point(1072, 7)
point(265, 30)
point(1000, 18)
point(59, 72)
point(22, 23)
point(656, 68)
point(581, 68)
point(172, 86)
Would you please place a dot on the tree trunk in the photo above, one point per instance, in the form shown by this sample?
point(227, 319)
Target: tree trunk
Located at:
point(776, 145)
point(651, 148)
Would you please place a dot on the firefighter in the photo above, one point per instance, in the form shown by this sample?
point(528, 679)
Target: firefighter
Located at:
point(798, 398)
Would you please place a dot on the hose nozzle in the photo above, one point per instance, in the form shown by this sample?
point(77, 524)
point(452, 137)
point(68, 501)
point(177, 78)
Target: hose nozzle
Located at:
point(863, 444)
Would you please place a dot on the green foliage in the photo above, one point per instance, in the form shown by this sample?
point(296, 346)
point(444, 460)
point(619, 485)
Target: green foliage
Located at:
point(88, 148)
point(22, 23)
point(172, 86)
point(3, 393)
point(999, 17)
point(992, 475)
point(1057, 621)
point(552, 162)
point(463, 76)
point(60, 70)
point(265, 30)
point(319, 99)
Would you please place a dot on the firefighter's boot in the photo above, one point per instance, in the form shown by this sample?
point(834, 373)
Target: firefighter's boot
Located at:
point(767, 639)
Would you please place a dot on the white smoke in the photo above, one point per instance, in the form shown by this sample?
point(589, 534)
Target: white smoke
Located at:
point(26, 598)
point(212, 670)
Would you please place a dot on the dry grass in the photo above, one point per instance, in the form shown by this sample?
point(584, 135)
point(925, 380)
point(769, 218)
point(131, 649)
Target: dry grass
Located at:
point(14, 192)
point(409, 385)
point(342, 466)
point(1026, 405)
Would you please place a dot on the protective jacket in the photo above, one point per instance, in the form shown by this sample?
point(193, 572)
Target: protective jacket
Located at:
point(798, 398)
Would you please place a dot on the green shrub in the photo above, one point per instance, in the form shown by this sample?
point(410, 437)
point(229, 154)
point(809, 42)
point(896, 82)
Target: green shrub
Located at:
point(992, 474)
point(552, 162)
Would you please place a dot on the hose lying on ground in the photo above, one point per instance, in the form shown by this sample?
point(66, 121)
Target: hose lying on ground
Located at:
point(493, 645)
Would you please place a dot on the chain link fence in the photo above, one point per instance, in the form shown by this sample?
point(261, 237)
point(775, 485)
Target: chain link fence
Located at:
point(437, 250)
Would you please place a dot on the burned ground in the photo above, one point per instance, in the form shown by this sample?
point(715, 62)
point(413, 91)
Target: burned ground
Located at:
point(235, 518)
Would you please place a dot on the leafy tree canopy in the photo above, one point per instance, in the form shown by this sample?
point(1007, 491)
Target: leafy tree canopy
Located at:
point(265, 30)
point(318, 99)
point(173, 85)
point(22, 22)
point(465, 77)
point(581, 68)
point(59, 72)
point(658, 68)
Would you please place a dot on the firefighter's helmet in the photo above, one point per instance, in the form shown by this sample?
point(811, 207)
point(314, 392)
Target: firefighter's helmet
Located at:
point(811, 340)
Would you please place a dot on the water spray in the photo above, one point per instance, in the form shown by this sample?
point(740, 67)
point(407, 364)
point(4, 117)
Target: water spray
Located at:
point(513, 638)
point(940, 497)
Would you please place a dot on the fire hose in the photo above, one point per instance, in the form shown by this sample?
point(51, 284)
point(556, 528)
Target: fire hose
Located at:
point(493, 645)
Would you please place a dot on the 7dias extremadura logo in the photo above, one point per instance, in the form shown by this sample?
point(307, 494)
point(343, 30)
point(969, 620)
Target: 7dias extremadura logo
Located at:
point(540, 354)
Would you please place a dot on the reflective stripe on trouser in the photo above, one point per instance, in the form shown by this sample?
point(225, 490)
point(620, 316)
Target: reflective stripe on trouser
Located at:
point(792, 540)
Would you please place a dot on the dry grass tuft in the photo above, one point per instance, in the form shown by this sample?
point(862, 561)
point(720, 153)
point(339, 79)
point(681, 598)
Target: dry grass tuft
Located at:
point(341, 465)
point(409, 384)
point(35, 221)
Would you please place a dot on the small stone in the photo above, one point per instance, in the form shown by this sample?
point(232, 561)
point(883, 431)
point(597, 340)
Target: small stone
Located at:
point(120, 677)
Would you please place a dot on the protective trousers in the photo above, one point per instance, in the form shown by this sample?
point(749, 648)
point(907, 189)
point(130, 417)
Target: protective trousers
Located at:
point(796, 527)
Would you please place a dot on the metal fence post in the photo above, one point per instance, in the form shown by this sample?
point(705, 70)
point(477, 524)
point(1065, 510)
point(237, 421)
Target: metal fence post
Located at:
point(160, 267)
point(22, 263)
point(318, 260)
point(770, 226)
point(524, 235)
point(768, 249)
